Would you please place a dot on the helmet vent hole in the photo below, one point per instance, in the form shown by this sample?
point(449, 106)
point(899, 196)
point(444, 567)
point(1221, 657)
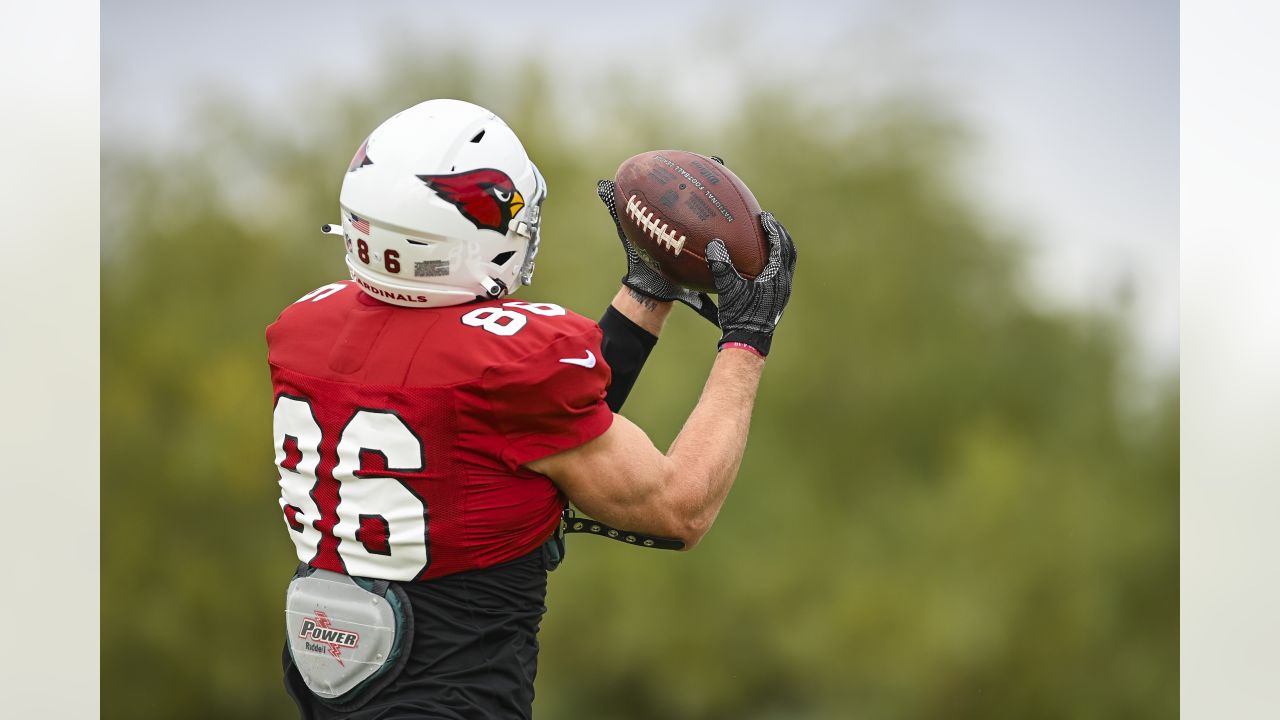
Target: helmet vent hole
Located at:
point(501, 258)
point(479, 136)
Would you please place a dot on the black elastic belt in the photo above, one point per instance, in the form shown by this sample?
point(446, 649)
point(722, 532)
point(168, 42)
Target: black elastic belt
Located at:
point(571, 523)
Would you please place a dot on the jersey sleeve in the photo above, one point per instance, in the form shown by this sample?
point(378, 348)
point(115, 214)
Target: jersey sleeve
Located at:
point(551, 400)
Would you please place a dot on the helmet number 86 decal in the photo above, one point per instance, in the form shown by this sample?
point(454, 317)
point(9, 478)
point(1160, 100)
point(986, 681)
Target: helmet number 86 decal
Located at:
point(390, 258)
point(508, 322)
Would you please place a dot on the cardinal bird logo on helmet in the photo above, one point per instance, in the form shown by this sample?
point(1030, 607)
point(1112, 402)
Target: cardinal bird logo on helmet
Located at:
point(362, 157)
point(486, 197)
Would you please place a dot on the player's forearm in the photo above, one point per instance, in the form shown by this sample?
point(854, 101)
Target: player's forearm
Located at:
point(642, 310)
point(708, 451)
point(622, 479)
point(630, 325)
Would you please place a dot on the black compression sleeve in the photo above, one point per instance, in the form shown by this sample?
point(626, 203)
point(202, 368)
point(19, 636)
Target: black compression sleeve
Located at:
point(626, 346)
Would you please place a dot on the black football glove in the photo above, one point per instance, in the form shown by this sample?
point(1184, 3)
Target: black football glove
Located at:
point(750, 309)
point(644, 279)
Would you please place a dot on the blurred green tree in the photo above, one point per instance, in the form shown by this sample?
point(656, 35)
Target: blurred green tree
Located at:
point(949, 507)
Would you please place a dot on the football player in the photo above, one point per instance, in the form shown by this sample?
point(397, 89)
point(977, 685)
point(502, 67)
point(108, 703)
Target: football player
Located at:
point(429, 428)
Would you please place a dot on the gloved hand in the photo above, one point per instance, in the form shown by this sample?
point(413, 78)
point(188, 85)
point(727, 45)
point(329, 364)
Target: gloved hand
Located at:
point(750, 309)
point(644, 279)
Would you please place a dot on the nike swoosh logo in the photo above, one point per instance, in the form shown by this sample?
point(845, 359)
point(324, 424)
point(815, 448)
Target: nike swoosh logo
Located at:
point(587, 362)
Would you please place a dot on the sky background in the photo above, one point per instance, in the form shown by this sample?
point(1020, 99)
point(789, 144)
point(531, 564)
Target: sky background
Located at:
point(1073, 106)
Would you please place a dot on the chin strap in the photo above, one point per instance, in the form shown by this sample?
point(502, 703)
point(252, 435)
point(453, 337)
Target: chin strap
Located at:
point(571, 523)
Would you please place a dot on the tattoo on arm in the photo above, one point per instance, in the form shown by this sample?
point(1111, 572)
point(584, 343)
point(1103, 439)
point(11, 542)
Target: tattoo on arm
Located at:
point(649, 303)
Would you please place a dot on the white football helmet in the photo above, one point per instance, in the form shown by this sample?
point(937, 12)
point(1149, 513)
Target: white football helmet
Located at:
point(441, 206)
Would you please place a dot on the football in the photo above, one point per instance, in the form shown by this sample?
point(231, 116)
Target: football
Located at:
point(671, 203)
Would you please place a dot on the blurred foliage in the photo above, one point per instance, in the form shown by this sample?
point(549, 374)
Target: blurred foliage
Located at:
point(948, 508)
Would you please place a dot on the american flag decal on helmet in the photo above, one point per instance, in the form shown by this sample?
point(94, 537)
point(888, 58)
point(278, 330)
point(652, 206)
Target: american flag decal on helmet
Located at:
point(360, 224)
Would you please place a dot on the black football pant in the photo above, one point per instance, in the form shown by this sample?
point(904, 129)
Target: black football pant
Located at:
point(475, 649)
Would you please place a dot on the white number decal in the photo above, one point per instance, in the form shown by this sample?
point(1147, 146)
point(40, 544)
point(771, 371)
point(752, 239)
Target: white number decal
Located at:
point(389, 501)
point(507, 322)
point(294, 421)
point(321, 293)
point(495, 320)
point(381, 501)
point(545, 309)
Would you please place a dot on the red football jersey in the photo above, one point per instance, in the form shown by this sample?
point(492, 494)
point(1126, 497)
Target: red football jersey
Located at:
point(400, 433)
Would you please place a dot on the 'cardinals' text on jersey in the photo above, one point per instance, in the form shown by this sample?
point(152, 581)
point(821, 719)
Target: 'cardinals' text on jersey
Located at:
point(401, 433)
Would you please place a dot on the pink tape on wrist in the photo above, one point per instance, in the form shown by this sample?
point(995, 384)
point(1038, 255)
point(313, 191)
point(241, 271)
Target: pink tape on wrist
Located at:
point(742, 346)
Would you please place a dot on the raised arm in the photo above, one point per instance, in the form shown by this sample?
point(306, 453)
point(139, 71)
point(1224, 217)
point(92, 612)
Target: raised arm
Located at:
point(634, 319)
point(622, 479)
